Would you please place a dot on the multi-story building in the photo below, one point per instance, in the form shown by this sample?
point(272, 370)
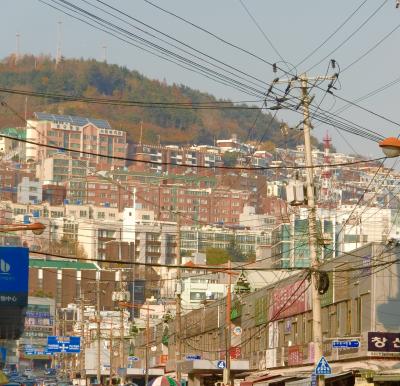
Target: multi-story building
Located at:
point(78, 134)
point(200, 239)
point(171, 159)
point(39, 324)
point(275, 337)
point(61, 168)
point(29, 191)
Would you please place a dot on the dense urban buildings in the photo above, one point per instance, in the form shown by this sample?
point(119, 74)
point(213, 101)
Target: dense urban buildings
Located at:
point(123, 238)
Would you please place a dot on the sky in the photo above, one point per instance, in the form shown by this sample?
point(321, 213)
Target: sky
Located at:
point(274, 30)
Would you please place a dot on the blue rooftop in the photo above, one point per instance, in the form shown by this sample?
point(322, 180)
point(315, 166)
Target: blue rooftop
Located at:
point(73, 120)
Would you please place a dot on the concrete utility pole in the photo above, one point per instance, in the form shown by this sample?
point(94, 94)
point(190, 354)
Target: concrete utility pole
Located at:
point(111, 354)
point(98, 328)
point(312, 226)
point(82, 353)
point(178, 329)
point(146, 379)
point(227, 369)
point(305, 81)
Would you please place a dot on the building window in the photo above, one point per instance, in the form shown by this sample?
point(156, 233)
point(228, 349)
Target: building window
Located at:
point(358, 314)
point(101, 215)
point(348, 317)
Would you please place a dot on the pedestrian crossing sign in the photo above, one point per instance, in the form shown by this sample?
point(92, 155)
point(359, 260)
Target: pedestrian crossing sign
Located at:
point(323, 367)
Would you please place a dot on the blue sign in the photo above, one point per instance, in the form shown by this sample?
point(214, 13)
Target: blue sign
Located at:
point(221, 364)
point(323, 367)
point(14, 271)
point(133, 358)
point(313, 380)
point(65, 344)
point(345, 344)
point(192, 357)
point(3, 354)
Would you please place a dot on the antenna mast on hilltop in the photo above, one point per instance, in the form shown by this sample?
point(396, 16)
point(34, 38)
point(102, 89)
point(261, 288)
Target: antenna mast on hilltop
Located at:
point(17, 53)
point(59, 38)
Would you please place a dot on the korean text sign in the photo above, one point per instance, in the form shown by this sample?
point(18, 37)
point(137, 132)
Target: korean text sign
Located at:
point(384, 341)
point(14, 271)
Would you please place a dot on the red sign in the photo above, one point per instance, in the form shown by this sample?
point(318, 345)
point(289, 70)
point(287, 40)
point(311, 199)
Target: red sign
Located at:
point(289, 300)
point(295, 355)
point(235, 352)
point(163, 359)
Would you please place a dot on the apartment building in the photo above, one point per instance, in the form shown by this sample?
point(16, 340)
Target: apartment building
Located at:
point(61, 168)
point(170, 159)
point(79, 134)
point(29, 191)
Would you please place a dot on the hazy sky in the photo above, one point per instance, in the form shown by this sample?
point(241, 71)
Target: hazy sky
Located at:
point(295, 28)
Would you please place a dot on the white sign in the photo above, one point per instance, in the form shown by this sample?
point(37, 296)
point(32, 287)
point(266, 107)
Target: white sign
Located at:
point(237, 331)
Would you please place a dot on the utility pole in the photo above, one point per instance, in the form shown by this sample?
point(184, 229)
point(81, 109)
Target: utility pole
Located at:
point(82, 353)
point(146, 380)
point(312, 226)
point(111, 353)
point(227, 369)
point(305, 81)
point(98, 328)
point(178, 327)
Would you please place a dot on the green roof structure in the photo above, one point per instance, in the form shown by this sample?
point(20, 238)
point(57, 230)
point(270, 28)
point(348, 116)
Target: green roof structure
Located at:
point(61, 264)
point(14, 132)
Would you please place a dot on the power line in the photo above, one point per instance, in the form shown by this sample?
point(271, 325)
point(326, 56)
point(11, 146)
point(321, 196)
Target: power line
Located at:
point(350, 36)
point(333, 33)
point(377, 44)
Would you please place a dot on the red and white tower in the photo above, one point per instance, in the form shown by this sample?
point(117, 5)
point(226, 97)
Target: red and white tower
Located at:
point(326, 175)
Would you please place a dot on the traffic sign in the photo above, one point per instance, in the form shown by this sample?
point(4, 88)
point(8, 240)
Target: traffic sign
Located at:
point(237, 331)
point(133, 358)
point(323, 367)
point(192, 357)
point(345, 344)
point(221, 364)
point(64, 344)
point(313, 380)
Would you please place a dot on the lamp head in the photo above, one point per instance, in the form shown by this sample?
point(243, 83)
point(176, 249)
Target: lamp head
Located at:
point(390, 147)
point(37, 228)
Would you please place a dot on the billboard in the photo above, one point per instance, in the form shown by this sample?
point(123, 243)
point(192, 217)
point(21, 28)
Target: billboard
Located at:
point(289, 300)
point(14, 271)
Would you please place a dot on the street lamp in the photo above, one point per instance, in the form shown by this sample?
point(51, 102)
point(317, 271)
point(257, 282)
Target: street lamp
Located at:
point(390, 147)
point(37, 228)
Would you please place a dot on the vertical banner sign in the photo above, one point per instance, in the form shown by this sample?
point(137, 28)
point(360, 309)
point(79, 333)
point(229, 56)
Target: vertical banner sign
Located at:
point(14, 271)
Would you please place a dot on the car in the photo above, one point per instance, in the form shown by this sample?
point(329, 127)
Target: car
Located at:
point(28, 372)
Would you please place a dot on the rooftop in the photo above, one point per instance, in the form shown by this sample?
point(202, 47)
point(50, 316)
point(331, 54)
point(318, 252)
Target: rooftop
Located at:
point(60, 264)
point(74, 120)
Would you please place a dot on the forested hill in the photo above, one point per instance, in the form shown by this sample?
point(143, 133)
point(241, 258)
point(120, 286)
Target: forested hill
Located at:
point(91, 78)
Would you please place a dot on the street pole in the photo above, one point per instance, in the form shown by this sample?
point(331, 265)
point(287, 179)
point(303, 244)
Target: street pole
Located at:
point(111, 353)
point(312, 217)
point(227, 369)
point(98, 328)
point(121, 345)
point(146, 381)
point(82, 353)
point(178, 329)
point(312, 227)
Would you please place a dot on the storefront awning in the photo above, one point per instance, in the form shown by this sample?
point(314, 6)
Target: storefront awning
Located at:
point(387, 378)
point(275, 380)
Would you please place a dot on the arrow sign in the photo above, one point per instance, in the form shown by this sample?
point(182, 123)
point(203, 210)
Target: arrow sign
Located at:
point(345, 344)
point(323, 367)
point(193, 357)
